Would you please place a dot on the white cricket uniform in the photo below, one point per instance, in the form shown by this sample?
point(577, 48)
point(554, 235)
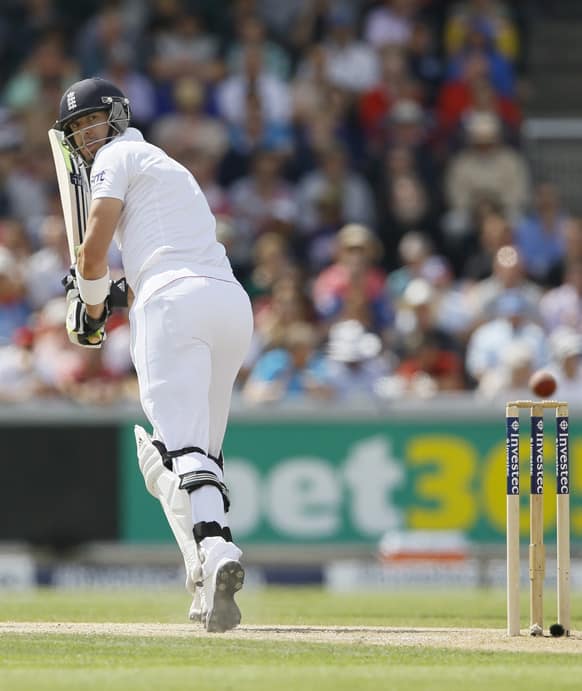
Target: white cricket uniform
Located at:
point(191, 321)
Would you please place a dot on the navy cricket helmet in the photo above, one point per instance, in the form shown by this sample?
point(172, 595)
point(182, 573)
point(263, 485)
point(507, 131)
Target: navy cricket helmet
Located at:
point(91, 95)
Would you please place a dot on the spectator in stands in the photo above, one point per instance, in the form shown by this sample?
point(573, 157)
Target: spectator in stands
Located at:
point(46, 267)
point(417, 259)
point(405, 202)
point(282, 19)
point(394, 83)
point(390, 23)
point(272, 93)
point(355, 362)
point(494, 233)
point(485, 168)
point(11, 137)
point(101, 37)
point(181, 46)
point(353, 287)
point(14, 238)
point(540, 236)
point(272, 261)
point(261, 202)
point(479, 40)
point(406, 127)
point(508, 277)
point(296, 370)
point(474, 91)
point(421, 314)
point(324, 130)
point(188, 125)
point(334, 172)
point(288, 304)
point(510, 377)
point(310, 86)
point(322, 238)
point(410, 204)
point(247, 138)
point(351, 63)
point(511, 323)
point(493, 14)
point(429, 367)
point(35, 122)
point(29, 186)
point(312, 19)
point(251, 31)
point(14, 307)
point(424, 62)
point(566, 364)
point(18, 379)
point(406, 176)
point(562, 306)
point(437, 294)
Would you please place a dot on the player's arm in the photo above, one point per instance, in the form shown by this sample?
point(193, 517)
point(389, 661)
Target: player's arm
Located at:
point(92, 254)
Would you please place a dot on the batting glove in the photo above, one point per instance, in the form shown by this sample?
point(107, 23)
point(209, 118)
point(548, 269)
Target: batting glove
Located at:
point(82, 329)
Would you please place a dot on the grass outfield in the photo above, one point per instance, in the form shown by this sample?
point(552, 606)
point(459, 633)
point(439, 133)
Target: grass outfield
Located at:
point(139, 640)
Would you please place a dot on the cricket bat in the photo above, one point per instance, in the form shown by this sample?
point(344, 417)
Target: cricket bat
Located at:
point(74, 191)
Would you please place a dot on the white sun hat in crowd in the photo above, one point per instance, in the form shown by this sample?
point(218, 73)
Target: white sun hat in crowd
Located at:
point(350, 342)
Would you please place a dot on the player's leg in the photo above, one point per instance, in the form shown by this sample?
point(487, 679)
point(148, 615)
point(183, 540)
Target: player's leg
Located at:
point(167, 403)
point(231, 335)
point(230, 347)
point(216, 349)
point(172, 355)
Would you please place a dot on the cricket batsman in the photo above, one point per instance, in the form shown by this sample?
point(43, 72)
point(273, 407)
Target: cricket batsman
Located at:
point(190, 320)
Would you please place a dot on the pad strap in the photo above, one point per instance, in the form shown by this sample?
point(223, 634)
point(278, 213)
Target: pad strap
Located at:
point(167, 456)
point(211, 529)
point(198, 478)
point(219, 461)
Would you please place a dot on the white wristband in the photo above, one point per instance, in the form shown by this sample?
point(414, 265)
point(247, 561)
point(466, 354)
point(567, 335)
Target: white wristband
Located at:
point(93, 292)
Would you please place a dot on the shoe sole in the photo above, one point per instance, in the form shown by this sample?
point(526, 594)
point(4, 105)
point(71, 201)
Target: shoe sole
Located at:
point(225, 614)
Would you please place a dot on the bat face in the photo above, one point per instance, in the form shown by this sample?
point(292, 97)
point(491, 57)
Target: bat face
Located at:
point(74, 191)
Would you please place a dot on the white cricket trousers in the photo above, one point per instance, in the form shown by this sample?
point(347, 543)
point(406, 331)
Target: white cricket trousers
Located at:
point(189, 340)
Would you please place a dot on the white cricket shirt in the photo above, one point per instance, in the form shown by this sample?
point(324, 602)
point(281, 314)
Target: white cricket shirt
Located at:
point(166, 224)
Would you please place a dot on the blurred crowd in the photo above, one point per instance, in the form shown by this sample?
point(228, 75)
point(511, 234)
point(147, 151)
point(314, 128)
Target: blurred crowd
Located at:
point(363, 160)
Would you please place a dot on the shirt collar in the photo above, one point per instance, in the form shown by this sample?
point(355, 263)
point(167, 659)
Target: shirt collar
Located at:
point(131, 134)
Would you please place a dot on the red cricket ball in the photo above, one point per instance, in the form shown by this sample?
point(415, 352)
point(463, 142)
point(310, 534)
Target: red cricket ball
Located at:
point(542, 383)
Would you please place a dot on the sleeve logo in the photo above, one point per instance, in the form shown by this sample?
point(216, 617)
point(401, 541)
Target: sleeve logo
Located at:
point(98, 177)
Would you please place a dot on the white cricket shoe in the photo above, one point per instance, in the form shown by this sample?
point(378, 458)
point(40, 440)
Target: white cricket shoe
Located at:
point(196, 612)
point(194, 587)
point(222, 577)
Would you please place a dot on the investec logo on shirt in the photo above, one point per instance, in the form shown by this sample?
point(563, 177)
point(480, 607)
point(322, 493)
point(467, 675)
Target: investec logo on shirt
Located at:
point(512, 456)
